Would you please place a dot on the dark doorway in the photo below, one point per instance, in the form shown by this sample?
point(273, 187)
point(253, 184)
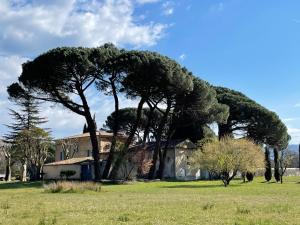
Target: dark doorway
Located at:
point(86, 172)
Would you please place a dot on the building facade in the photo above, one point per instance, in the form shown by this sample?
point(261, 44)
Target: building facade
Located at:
point(75, 154)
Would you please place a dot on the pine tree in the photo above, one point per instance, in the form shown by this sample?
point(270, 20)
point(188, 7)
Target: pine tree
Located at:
point(26, 119)
point(268, 173)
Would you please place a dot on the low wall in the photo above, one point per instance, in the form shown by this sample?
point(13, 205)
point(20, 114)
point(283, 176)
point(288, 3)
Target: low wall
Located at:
point(288, 172)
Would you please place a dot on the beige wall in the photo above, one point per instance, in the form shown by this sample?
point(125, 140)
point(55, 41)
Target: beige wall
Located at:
point(53, 172)
point(84, 146)
point(183, 169)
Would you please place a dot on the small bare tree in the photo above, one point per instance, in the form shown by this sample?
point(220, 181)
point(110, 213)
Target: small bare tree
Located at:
point(69, 147)
point(285, 160)
point(6, 152)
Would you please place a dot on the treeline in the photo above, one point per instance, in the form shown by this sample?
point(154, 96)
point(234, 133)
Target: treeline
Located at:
point(172, 103)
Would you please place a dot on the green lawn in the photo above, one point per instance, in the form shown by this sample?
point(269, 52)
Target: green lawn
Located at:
point(203, 202)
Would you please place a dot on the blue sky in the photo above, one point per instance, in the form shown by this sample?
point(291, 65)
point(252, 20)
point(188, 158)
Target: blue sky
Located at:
point(251, 46)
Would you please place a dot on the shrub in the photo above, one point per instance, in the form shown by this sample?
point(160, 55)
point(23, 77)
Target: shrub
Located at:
point(250, 176)
point(67, 174)
point(72, 187)
point(228, 156)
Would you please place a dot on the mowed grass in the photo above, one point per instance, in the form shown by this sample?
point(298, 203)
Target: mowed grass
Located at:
point(202, 202)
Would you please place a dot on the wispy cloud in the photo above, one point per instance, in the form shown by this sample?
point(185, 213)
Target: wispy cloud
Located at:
point(168, 8)
point(182, 57)
point(296, 21)
point(291, 119)
point(218, 7)
point(297, 105)
point(147, 1)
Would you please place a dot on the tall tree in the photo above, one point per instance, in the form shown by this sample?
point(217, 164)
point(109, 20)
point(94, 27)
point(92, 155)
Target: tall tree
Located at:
point(193, 111)
point(25, 119)
point(268, 166)
point(63, 76)
point(150, 78)
point(251, 119)
point(110, 82)
point(276, 165)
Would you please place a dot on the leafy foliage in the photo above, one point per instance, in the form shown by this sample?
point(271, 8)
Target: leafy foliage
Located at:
point(229, 156)
point(253, 120)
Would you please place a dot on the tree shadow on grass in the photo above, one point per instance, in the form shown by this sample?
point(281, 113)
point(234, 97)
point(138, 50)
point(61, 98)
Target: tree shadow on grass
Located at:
point(188, 186)
point(20, 185)
point(267, 182)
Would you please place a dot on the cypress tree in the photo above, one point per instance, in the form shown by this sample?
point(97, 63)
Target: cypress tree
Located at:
point(268, 173)
point(276, 165)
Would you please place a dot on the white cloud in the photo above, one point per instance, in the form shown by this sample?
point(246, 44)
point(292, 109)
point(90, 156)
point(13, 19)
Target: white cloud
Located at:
point(295, 135)
point(291, 119)
point(168, 8)
point(147, 1)
point(297, 105)
point(33, 27)
point(182, 57)
point(10, 69)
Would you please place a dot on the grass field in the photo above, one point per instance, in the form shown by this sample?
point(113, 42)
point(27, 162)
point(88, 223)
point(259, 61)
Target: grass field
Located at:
point(203, 202)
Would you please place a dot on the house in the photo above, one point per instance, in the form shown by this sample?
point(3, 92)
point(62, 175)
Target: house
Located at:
point(74, 153)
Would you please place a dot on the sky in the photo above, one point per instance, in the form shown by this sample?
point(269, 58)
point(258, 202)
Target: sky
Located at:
point(250, 46)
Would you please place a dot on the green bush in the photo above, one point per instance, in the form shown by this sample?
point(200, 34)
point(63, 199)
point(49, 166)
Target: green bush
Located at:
point(67, 174)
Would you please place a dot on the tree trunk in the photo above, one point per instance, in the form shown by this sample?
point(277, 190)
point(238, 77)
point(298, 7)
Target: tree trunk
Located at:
point(165, 150)
point(115, 134)
point(123, 152)
point(8, 169)
point(23, 177)
point(93, 135)
point(226, 178)
point(157, 149)
point(149, 120)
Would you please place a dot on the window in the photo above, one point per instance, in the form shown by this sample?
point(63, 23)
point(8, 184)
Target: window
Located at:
point(106, 148)
point(88, 153)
